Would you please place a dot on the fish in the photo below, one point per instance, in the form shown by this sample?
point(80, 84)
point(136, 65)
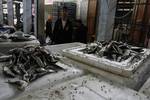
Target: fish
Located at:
point(5, 58)
point(8, 72)
point(38, 61)
point(112, 50)
point(137, 49)
point(21, 84)
point(16, 70)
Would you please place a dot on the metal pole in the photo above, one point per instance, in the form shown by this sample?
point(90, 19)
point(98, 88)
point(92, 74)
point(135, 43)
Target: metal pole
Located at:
point(27, 16)
point(39, 20)
point(10, 12)
point(1, 12)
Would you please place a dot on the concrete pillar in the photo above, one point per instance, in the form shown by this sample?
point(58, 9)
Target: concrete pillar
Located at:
point(39, 20)
point(105, 20)
point(84, 11)
point(78, 2)
point(27, 16)
point(18, 15)
point(10, 12)
point(1, 11)
point(35, 18)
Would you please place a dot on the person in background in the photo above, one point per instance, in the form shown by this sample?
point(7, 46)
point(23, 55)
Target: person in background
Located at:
point(32, 28)
point(148, 38)
point(1, 25)
point(63, 28)
point(80, 32)
point(49, 27)
point(117, 36)
point(125, 33)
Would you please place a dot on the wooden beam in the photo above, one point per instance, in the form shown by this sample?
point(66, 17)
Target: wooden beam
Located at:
point(91, 23)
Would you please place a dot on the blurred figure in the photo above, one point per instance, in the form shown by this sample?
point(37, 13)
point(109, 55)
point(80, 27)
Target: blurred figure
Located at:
point(117, 36)
point(63, 28)
point(1, 25)
point(80, 32)
point(125, 33)
point(147, 40)
point(32, 28)
point(49, 27)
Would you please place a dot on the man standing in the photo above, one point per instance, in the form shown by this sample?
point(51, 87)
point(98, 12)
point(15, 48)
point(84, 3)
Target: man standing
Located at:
point(62, 29)
point(49, 27)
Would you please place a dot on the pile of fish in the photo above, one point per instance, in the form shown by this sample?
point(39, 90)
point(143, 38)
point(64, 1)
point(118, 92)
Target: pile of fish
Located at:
point(114, 51)
point(24, 65)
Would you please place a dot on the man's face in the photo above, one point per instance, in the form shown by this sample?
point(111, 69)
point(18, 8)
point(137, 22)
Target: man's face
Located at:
point(50, 17)
point(78, 24)
point(64, 14)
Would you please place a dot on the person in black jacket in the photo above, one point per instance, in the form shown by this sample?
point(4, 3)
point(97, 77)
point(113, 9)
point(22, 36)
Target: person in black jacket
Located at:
point(49, 27)
point(80, 32)
point(62, 29)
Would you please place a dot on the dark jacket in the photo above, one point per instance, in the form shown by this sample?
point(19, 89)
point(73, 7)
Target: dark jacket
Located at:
point(148, 33)
point(61, 35)
point(81, 34)
point(49, 29)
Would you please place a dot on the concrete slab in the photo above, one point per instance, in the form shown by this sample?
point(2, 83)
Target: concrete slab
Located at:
point(6, 46)
point(146, 88)
point(135, 81)
point(84, 88)
point(122, 68)
point(60, 47)
point(8, 92)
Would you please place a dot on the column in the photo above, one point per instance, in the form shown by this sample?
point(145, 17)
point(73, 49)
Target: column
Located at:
point(18, 15)
point(39, 20)
point(1, 12)
point(10, 12)
point(84, 11)
point(105, 20)
point(27, 16)
point(78, 2)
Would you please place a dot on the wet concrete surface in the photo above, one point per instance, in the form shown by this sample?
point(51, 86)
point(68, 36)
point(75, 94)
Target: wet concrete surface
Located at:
point(8, 91)
point(73, 84)
point(87, 87)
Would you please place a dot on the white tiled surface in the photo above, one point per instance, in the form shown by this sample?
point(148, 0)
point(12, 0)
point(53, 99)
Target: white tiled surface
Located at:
point(84, 88)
